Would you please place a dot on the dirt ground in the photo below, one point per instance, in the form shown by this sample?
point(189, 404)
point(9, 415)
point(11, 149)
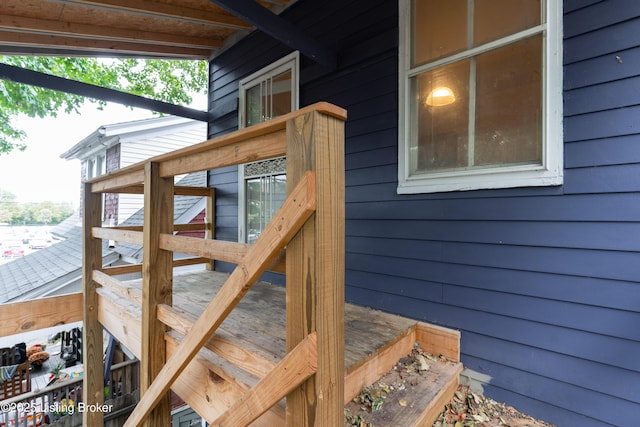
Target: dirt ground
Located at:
point(465, 409)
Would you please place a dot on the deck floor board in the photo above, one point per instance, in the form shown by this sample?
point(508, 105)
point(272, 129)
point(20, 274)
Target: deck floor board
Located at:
point(374, 342)
point(260, 317)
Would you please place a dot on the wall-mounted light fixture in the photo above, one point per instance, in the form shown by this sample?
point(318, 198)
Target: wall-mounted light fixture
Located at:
point(440, 96)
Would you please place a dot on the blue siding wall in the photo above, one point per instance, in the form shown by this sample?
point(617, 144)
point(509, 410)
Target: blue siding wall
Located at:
point(544, 283)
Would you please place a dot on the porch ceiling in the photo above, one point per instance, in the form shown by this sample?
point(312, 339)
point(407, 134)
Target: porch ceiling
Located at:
point(188, 29)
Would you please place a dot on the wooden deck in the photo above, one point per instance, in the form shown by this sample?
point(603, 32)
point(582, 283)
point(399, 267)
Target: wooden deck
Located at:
point(253, 336)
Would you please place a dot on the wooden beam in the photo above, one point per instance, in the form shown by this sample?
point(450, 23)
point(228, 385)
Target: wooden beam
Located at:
point(280, 29)
point(178, 190)
point(75, 29)
point(121, 318)
point(137, 268)
point(250, 150)
point(189, 261)
point(206, 372)
point(192, 226)
point(192, 191)
point(179, 160)
point(122, 269)
point(315, 268)
point(138, 228)
point(47, 44)
point(117, 287)
point(221, 385)
point(18, 318)
point(120, 179)
point(47, 81)
point(219, 250)
point(438, 340)
point(212, 249)
point(210, 220)
point(245, 356)
point(119, 235)
point(92, 347)
point(298, 365)
point(296, 209)
point(157, 276)
point(165, 10)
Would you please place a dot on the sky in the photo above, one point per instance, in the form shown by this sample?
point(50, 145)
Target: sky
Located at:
point(39, 174)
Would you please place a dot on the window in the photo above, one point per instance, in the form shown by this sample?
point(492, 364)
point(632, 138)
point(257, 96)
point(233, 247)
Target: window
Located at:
point(95, 165)
point(269, 93)
point(480, 94)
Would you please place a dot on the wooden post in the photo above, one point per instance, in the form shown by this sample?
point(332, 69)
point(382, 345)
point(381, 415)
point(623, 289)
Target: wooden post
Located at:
point(157, 287)
point(315, 269)
point(92, 348)
point(210, 220)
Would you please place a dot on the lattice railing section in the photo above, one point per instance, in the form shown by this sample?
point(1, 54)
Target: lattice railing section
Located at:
point(310, 224)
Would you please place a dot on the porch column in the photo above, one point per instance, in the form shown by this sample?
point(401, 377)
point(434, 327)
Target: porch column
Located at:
point(315, 269)
point(157, 284)
point(92, 348)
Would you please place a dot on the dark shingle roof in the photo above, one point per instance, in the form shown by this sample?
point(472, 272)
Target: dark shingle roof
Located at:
point(36, 273)
point(48, 268)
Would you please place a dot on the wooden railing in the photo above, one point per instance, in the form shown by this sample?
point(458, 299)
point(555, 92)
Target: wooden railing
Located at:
point(61, 403)
point(35, 407)
point(33, 315)
point(310, 225)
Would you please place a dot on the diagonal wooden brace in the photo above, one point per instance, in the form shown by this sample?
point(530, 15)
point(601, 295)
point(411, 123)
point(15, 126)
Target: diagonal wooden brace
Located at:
point(298, 365)
point(295, 211)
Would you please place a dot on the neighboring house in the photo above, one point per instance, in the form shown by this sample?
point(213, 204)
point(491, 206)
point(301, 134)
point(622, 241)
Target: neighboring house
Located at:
point(538, 263)
point(57, 269)
point(116, 146)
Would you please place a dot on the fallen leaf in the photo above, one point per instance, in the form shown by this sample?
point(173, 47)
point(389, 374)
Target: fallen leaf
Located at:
point(423, 365)
point(402, 402)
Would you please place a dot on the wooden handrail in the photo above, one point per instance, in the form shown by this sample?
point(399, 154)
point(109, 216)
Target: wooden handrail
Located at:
point(137, 268)
point(178, 190)
point(196, 226)
point(118, 235)
point(296, 209)
point(253, 141)
point(32, 315)
point(312, 139)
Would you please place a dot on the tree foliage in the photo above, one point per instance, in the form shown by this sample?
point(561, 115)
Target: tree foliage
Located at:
point(165, 80)
point(15, 213)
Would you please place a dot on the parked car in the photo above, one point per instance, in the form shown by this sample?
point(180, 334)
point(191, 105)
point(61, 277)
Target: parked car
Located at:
point(12, 250)
point(38, 243)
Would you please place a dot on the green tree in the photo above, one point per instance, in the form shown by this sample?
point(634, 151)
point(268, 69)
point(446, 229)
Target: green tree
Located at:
point(165, 80)
point(8, 206)
point(44, 216)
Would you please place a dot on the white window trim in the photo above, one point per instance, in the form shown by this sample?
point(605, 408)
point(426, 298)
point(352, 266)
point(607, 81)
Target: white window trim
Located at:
point(549, 173)
point(289, 62)
point(91, 161)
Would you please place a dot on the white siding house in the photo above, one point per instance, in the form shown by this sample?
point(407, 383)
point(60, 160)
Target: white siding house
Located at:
point(115, 146)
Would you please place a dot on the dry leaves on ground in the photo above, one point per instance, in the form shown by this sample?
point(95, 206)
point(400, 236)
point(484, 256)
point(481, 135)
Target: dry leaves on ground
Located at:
point(465, 409)
point(470, 409)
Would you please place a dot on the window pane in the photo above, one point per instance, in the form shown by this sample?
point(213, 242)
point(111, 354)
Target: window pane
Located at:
point(264, 196)
point(494, 19)
point(443, 126)
point(439, 29)
point(254, 104)
point(281, 94)
point(508, 99)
